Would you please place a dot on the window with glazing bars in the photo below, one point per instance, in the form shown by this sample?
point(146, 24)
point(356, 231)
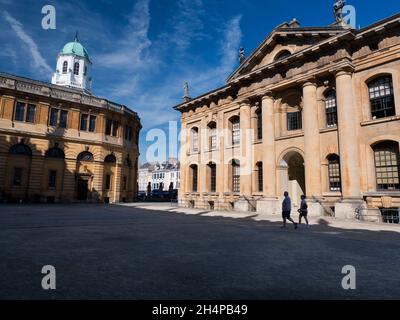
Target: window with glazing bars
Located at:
point(294, 121)
point(195, 140)
point(387, 166)
point(235, 176)
point(335, 183)
point(213, 138)
point(382, 98)
point(213, 177)
point(331, 109)
point(235, 132)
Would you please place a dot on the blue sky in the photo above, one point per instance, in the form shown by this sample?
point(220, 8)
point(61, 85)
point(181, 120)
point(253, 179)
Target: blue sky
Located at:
point(144, 50)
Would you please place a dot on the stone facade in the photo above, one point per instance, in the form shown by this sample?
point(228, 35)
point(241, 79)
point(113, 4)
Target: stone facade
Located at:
point(313, 111)
point(61, 144)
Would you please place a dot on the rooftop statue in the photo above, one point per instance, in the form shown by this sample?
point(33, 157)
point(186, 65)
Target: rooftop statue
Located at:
point(338, 9)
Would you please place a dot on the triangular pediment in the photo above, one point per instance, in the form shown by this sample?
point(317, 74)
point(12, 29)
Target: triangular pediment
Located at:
point(285, 40)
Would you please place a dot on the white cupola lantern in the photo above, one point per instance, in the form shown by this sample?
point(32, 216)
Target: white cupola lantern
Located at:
point(73, 67)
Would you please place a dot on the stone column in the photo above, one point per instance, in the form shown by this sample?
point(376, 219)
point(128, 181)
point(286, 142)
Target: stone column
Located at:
point(184, 165)
point(269, 203)
point(348, 145)
point(202, 175)
point(246, 159)
point(312, 161)
point(246, 144)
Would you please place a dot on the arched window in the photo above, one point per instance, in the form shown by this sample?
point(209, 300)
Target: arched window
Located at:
point(213, 135)
point(65, 67)
point(282, 55)
point(85, 156)
point(259, 124)
point(381, 97)
point(331, 109)
point(110, 159)
point(76, 68)
point(194, 174)
point(195, 139)
point(213, 176)
point(235, 176)
point(20, 149)
point(335, 183)
point(55, 152)
point(260, 177)
point(235, 124)
point(387, 165)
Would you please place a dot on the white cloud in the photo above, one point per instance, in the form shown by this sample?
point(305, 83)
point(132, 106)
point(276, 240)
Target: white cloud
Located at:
point(160, 100)
point(39, 63)
point(127, 52)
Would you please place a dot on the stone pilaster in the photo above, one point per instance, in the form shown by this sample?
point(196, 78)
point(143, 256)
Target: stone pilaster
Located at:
point(269, 204)
point(246, 145)
point(311, 141)
point(348, 145)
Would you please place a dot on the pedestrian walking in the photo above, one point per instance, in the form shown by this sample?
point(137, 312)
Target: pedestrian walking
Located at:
point(303, 211)
point(286, 210)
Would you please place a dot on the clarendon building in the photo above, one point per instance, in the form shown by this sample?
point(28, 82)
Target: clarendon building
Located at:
point(312, 111)
point(58, 142)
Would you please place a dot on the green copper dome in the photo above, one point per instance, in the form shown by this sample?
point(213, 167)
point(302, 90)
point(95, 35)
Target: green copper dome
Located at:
point(75, 48)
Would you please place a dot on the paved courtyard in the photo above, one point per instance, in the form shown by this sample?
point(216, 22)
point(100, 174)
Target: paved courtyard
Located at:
point(154, 252)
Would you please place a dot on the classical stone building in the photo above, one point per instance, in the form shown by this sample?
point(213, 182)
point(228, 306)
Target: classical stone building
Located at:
point(60, 143)
point(313, 111)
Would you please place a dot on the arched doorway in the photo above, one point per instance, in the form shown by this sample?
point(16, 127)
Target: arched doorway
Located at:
point(292, 176)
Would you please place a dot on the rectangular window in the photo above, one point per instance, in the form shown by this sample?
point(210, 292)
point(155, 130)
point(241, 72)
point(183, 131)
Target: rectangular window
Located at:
point(387, 170)
point(92, 124)
point(235, 178)
point(236, 133)
point(260, 177)
point(294, 121)
point(17, 180)
point(382, 98)
point(259, 126)
point(194, 180)
point(331, 111)
point(334, 175)
point(108, 127)
point(19, 111)
point(390, 215)
point(213, 138)
point(115, 128)
point(84, 122)
point(53, 117)
point(63, 119)
point(213, 178)
point(108, 182)
point(52, 178)
point(30, 113)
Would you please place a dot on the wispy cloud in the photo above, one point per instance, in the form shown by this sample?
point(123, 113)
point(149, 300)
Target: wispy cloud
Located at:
point(39, 63)
point(187, 24)
point(160, 99)
point(128, 51)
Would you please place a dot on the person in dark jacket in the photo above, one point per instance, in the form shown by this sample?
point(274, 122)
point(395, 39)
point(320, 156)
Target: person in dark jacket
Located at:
point(286, 209)
point(303, 211)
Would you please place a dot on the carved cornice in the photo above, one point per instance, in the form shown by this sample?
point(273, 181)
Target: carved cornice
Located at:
point(51, 91)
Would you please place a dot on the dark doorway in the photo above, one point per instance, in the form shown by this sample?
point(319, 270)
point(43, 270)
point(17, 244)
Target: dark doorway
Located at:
point(82, 191)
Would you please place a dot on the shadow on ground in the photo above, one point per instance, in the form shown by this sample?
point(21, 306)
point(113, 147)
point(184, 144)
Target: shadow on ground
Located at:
point(113, 252)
